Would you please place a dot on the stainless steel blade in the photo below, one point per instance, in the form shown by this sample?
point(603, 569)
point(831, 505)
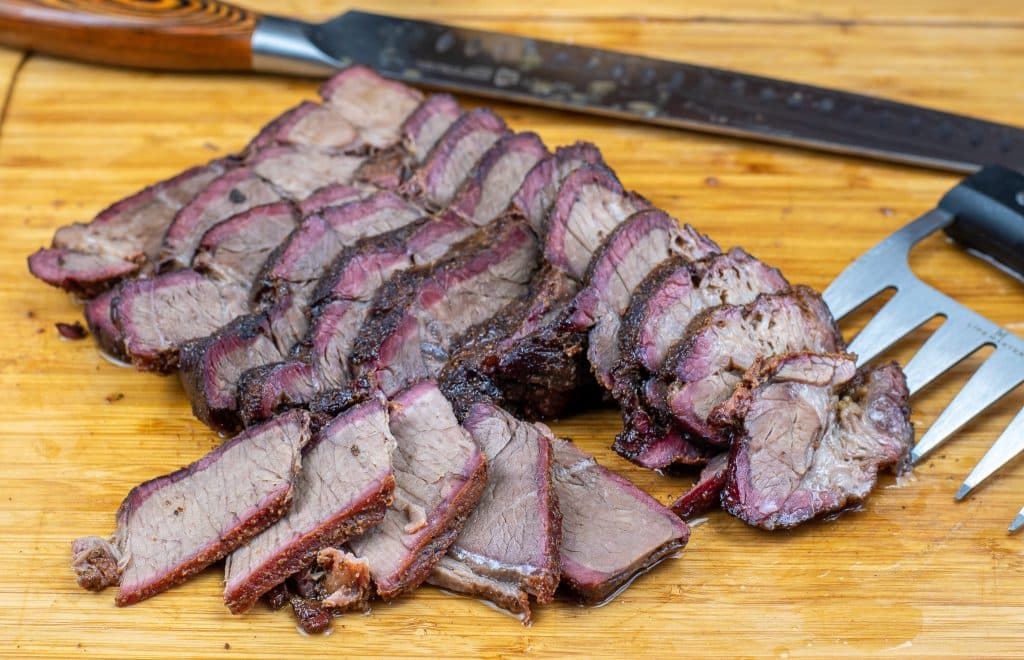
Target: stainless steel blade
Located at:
point(526, 70)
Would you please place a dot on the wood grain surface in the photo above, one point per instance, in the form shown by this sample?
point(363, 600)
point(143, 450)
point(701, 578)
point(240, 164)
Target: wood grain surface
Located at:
point(913, 574)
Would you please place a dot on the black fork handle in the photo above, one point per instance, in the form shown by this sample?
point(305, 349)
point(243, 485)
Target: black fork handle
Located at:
point(988, 208)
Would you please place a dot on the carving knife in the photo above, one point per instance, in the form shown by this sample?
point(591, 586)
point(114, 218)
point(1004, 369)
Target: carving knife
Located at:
point(211, 35)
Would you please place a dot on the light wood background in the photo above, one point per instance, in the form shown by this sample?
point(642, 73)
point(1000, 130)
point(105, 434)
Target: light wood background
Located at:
point(912, 574)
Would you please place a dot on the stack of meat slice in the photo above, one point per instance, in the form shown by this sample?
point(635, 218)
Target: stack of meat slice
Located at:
point(378, 282)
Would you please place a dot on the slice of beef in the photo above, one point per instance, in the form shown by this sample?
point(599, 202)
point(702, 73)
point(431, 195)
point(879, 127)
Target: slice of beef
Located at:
point(155, 316)
point(342, 491)
point(235, 191)
point(345, 294)
point(497, 177)
point(174, 526)
point(420, 315)
point(459, 578)
point(590, 205)
point(308, 124)
point(296, 172)
point(124, 239)
point(704, 495)
point(679, 289)
point(537, 193)
point(662, 306)
point(376, 106)
point(631, 251)
point(611, 530)
point(390, 167)
point(101, 325)
point(513, 536)
point(439, 478)
point(425, 126)
point(811, 434)
point(233, 250)
point(723, 342)
point(453, 157)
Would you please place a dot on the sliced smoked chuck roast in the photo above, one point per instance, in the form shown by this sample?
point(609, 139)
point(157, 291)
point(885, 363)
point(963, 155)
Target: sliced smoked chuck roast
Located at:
point(611, 530)
point(661, 309)
point(343, 490)
point(810, 434)
point(174, 526)
point(440, 475)
point(509, 548)
point(723, 342)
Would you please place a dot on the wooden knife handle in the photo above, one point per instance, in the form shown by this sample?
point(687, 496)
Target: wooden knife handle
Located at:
point(152, 34)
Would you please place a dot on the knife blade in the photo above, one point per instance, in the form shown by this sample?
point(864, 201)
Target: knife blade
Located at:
point(212, 35)
point(591, 80)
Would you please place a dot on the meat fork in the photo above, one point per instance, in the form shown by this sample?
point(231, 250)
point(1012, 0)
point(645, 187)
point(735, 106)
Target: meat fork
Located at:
point(985, 213)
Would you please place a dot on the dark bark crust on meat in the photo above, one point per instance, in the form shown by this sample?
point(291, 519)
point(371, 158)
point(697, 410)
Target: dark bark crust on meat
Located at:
point(522, 359)
point(196, 377)
point(101, 325)
point(396, 297)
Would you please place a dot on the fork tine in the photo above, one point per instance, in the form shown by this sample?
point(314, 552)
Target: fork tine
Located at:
point(1005, 449)
point(999, 374)
point(1018, 522)
point(943, 350)
point(908, 309)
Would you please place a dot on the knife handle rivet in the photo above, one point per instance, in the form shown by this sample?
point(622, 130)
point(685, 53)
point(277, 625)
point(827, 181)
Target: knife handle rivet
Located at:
point(768, 93)
point(795, 99)
point(738, 87)
point(826, 105)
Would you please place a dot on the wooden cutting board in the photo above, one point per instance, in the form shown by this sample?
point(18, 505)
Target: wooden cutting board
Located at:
point(912, 574)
